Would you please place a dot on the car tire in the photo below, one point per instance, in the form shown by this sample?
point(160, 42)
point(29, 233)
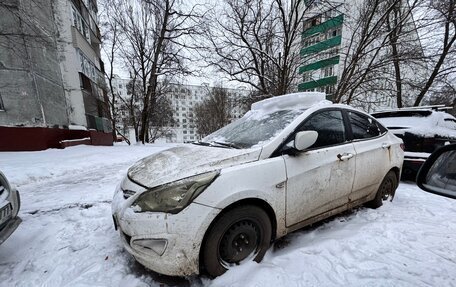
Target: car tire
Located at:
point(240, 233)
point(385, 191)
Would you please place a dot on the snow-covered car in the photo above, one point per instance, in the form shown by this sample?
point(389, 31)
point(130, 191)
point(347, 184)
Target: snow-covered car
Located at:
point(423, 130)
point(290, 161)
point(9, 208)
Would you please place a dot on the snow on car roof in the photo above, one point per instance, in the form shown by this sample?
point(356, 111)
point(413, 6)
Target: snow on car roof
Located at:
point(291, 101)
point(427, 124)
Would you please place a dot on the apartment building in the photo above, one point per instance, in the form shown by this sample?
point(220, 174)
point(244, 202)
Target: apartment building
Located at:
point(184, 98)
point(52, 87)
point(326, 37)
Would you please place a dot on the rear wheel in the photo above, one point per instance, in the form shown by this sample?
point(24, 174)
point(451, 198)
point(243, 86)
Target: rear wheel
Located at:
point(243, 233)
point(385, 191)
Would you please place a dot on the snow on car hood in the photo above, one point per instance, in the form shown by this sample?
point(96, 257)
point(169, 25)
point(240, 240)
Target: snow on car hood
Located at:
point(185, 161)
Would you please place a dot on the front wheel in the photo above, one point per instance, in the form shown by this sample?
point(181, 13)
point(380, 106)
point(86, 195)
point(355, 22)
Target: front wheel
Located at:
point(385, 191)
point(242, 233)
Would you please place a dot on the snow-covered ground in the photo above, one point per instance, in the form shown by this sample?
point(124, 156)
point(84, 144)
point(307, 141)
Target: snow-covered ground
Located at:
point(67, 236)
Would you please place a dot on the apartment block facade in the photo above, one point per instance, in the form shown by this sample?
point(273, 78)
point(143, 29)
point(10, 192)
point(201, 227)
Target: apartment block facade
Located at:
point(320, 51)
point(52, 87)
point(183, 99)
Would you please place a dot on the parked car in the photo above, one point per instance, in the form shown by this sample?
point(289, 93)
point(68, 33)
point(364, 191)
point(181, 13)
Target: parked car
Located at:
point(289, 162)
point(10, 204)
point(423, 130)
point(438, 173)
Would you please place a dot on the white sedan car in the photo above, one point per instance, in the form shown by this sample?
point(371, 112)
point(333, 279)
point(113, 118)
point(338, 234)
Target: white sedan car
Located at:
point(289, 162)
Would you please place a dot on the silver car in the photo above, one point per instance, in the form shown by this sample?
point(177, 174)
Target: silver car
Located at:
point(10, 203)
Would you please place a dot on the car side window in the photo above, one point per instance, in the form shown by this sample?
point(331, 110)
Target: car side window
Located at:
point(330, 128)
point(364, 127)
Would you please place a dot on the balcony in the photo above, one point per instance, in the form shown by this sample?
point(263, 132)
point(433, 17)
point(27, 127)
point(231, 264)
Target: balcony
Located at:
point(325, 26)
point(321, 46)
point(319, 64)
point(317, 83)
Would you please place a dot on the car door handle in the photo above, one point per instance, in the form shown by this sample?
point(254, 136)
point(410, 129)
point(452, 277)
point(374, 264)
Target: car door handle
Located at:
point(385, 145)
point(345, 156)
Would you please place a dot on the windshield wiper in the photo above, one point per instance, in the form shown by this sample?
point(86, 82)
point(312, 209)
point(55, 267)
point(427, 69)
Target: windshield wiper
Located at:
point(217, 144)
point(201, 143)
point(225, 144)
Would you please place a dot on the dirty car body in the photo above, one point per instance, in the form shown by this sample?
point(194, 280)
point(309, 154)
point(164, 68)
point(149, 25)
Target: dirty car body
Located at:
point(9, 208)
point(176, 210)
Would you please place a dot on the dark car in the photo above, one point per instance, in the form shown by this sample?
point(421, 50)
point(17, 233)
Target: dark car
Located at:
point(423, 130)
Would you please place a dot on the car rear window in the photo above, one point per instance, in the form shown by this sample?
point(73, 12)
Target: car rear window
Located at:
point(364, 127)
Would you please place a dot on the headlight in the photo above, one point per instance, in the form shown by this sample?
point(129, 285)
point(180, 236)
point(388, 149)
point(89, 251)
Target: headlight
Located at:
point(4, 186)
point(175, 196)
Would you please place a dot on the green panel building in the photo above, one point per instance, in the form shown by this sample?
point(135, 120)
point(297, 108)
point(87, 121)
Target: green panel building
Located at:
point(320, 47)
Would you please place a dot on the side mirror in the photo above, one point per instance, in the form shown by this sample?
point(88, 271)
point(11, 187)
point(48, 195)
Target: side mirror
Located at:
point(438, 173)
point(305, 139)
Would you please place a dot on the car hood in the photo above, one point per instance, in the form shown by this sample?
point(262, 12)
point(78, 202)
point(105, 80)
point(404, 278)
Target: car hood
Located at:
point(185, 161)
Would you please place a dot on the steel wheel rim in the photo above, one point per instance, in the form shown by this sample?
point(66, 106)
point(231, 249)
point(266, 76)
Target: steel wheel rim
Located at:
point(387, 189)
point(239, 242)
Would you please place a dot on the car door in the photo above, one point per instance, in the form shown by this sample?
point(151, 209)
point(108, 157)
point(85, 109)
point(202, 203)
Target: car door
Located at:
point(320, 178)
point(373, 155)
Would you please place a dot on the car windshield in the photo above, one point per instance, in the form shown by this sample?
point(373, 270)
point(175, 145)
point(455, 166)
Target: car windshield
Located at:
point(255, 128)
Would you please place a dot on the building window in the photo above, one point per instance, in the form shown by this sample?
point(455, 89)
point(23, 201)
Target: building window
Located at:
point(2, 106)
point(312, 40)
point(307, 77)
point(80, 24)
point(328, 71)
point(333, 33)
point(329, 90)
point(87, 67)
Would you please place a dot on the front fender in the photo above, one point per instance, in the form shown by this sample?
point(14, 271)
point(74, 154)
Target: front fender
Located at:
point(264, 180)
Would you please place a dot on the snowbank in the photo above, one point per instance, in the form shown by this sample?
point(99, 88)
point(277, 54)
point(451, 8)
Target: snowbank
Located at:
point(67, 236)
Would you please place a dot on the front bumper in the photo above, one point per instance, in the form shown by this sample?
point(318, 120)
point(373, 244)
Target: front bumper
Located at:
point(175, 238)
point(8, 227)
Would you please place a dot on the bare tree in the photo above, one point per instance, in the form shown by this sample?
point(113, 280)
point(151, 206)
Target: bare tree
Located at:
point(388, 54)
point(400, 69)
point(440, 37)
point(214, 112)
point(157, 36)
point(161, 119)
point(110, 45)
point(366, 62)
point(257, 42)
